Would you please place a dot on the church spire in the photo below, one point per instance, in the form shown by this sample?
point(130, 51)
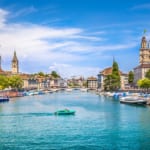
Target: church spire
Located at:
point(15, 57)
point(15, 64)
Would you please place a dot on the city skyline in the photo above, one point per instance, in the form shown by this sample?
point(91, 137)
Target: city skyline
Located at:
point(72, 38)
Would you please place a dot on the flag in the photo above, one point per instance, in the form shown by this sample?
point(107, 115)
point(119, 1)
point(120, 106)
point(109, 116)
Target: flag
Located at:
point(145, 31)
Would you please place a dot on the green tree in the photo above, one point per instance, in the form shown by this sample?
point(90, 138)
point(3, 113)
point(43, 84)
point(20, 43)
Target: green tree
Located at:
point(4, 82)
point(15, 82)
point(147, 75)
point(112, 81)
point(131, 77)
point(108, 83)
point(144, 83)
point(54, 74)
point(41, 74)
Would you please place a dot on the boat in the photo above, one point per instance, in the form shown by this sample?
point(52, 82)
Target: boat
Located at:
point(4, 99)
point(133, 100)
point(83, 90)
point(65, 112)
point(69, 90)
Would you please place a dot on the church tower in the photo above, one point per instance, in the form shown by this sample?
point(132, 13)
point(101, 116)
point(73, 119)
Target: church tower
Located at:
point(144, 51)
point(15, 64)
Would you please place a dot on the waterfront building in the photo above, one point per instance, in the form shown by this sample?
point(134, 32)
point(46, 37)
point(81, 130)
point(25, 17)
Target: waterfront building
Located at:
point(76, 81)
point(32, 81)
point(92, 83)
point(144, 60)
point(107, 71)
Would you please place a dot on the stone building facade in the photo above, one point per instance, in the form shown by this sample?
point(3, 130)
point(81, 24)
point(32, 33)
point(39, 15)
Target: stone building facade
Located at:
point(107, 71)
point(144, 60)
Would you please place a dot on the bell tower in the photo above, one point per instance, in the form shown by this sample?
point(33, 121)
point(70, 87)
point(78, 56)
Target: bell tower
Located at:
point(15, 64)
point(144, 51)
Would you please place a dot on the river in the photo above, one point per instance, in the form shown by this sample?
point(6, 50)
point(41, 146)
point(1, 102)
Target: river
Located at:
point(28, 123)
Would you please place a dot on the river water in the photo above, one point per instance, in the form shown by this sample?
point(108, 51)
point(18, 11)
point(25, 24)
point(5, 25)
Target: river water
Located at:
point(28, 123)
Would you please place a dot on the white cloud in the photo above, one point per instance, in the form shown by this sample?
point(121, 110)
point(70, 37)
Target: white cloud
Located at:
point(3, 15)
point(44, 45)
point(24, 11)
point(67, 70)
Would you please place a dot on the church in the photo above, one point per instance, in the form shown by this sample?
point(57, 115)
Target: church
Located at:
point(14, 66)
point(144, 60)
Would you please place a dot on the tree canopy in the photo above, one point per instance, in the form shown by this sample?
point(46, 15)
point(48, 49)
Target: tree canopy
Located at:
point(11, 81)
point(144, 83)
point(55, 74)
point(130, 77)
point(112, 81)
point(147, 75)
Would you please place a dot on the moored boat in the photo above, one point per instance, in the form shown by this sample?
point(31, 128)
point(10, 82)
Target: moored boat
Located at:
point(133, 100)
point(4, 99)
point(68, 89)
point(65, 112)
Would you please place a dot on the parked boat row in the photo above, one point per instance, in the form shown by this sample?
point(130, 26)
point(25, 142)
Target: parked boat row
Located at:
point(128, 98)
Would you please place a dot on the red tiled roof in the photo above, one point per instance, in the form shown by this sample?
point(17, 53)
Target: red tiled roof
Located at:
point(108, 71)
point(92, 78)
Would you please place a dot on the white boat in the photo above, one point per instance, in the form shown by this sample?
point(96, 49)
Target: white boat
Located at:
point(69, 90)
point(83, 90)
point(133, 100)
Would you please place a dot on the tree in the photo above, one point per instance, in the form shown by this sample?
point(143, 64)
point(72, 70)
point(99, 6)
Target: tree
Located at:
point(108, 83)
point(147, 75)
point(130, 77)
point(112, 81)
point(15, 82)
point(4, 82)
point(144, 83)
point(54, 74)
point(41, 74)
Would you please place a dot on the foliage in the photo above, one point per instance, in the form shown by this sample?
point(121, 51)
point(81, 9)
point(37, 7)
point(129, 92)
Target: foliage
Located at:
point(84, 83)
point(144, 83)
point(147, 75)
point(15, 82)
point(4, 82)
point(54, 74)
point(112, 81)
point(130, 77)
point(41, 74)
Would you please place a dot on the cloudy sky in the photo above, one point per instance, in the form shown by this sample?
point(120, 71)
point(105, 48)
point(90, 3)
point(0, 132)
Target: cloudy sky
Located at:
point(72, 37)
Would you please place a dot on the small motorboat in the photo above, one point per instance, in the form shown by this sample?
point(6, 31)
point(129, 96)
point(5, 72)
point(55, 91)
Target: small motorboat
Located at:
point(65, 112)
point(4, 99)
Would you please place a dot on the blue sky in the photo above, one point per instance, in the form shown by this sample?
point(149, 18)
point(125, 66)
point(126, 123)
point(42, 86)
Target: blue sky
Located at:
point(72, 37)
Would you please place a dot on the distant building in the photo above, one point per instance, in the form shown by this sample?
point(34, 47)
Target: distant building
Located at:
point(92, 83)
point(14, 67)
point(76, 81)
point(107, 71)
point(15, 64)
point(31, 81)
point(144, 60)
